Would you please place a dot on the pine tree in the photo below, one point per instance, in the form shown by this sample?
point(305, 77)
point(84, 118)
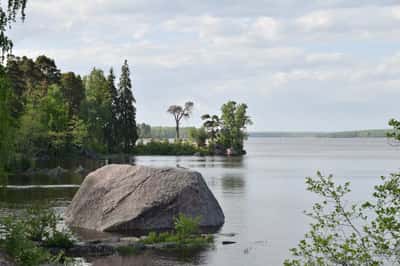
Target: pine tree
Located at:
point(126, 110)
point(112, 128)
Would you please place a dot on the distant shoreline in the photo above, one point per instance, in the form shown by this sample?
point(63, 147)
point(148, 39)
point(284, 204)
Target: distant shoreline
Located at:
point(368, 133)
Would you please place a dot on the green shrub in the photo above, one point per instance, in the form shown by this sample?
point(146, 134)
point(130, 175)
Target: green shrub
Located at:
point(40, 223)
point(59, 239)
point(17, 244)
point(24, 239)
point(186, 226)
point(166, 148)
point(185, 235)
point(151, 238)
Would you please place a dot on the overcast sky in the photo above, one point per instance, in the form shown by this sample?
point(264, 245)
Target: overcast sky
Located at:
point(312, 65)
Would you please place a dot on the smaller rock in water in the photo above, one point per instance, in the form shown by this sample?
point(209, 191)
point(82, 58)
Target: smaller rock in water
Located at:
point(228, 242)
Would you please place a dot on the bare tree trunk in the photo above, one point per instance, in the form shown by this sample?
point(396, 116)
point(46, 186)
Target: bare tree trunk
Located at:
point(177, 130)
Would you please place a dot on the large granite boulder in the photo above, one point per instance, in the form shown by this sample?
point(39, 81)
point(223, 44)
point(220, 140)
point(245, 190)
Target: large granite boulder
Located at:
point(128, 198)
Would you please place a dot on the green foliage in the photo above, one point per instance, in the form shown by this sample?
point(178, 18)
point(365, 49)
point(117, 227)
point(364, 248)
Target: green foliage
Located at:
point(356, 234)
point(59, 239)
point(24, 239)
point(45, 123)
point(54, 113)
point(212, 125)
point(73, 91)
point(126, 110)
point(166, 148)
point(7, 128)
point(112, 136)
point(40, 223)
point(186, 226)
point(395, 133)
point(50, 73)
point(18, 246)
point(185, 235)
point(198, 136)
point(234, 120)
point(96, 109)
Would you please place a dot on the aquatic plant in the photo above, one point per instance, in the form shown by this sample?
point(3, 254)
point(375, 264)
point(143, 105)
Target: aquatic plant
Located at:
point(186, 235)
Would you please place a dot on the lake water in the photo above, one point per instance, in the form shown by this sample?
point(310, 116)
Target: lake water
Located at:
point(262, 194)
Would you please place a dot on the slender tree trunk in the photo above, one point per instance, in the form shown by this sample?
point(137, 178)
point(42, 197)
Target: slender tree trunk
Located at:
point(177, 130)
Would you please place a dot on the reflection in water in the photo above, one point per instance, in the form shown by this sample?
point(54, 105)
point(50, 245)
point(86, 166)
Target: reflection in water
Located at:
point(154, 258)
point(233, 182)
point(22, 180)
point(37, 195)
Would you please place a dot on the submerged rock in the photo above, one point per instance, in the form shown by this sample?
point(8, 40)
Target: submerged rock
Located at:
point(128, 198)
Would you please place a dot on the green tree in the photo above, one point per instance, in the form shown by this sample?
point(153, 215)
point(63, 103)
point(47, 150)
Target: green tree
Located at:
point(50, 73)
point(212, 125)
point(7, 127)
point(44, 125)
point(32, 133)
point(395, 133)
point(96, 109)
point(180, 112)
point(199, 136)
point(112, 135)
point(8, 15)
point(234, 121)
point(73, 91)
point(126, 110)
point(54, 115)
point(25, 79)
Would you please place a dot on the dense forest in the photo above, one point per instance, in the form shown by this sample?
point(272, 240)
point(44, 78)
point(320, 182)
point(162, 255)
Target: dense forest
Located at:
point(51, 112)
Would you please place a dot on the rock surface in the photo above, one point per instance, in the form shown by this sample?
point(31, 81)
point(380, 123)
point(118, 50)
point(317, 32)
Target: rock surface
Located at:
point(5, 260)
point(127, 198)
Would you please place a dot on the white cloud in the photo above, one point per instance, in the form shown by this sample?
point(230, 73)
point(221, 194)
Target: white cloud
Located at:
point(315, 21)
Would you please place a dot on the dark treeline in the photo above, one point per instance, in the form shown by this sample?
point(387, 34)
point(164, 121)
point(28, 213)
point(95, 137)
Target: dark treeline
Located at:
point(53, 112)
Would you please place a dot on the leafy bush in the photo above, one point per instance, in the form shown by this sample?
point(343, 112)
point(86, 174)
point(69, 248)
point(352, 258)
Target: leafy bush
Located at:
point(185, 235)
point(165, 148)
point(186, 226)
point(40, 223)
point(351, 234)
point(24, 239)
point(17, 244)
point(59, 239)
